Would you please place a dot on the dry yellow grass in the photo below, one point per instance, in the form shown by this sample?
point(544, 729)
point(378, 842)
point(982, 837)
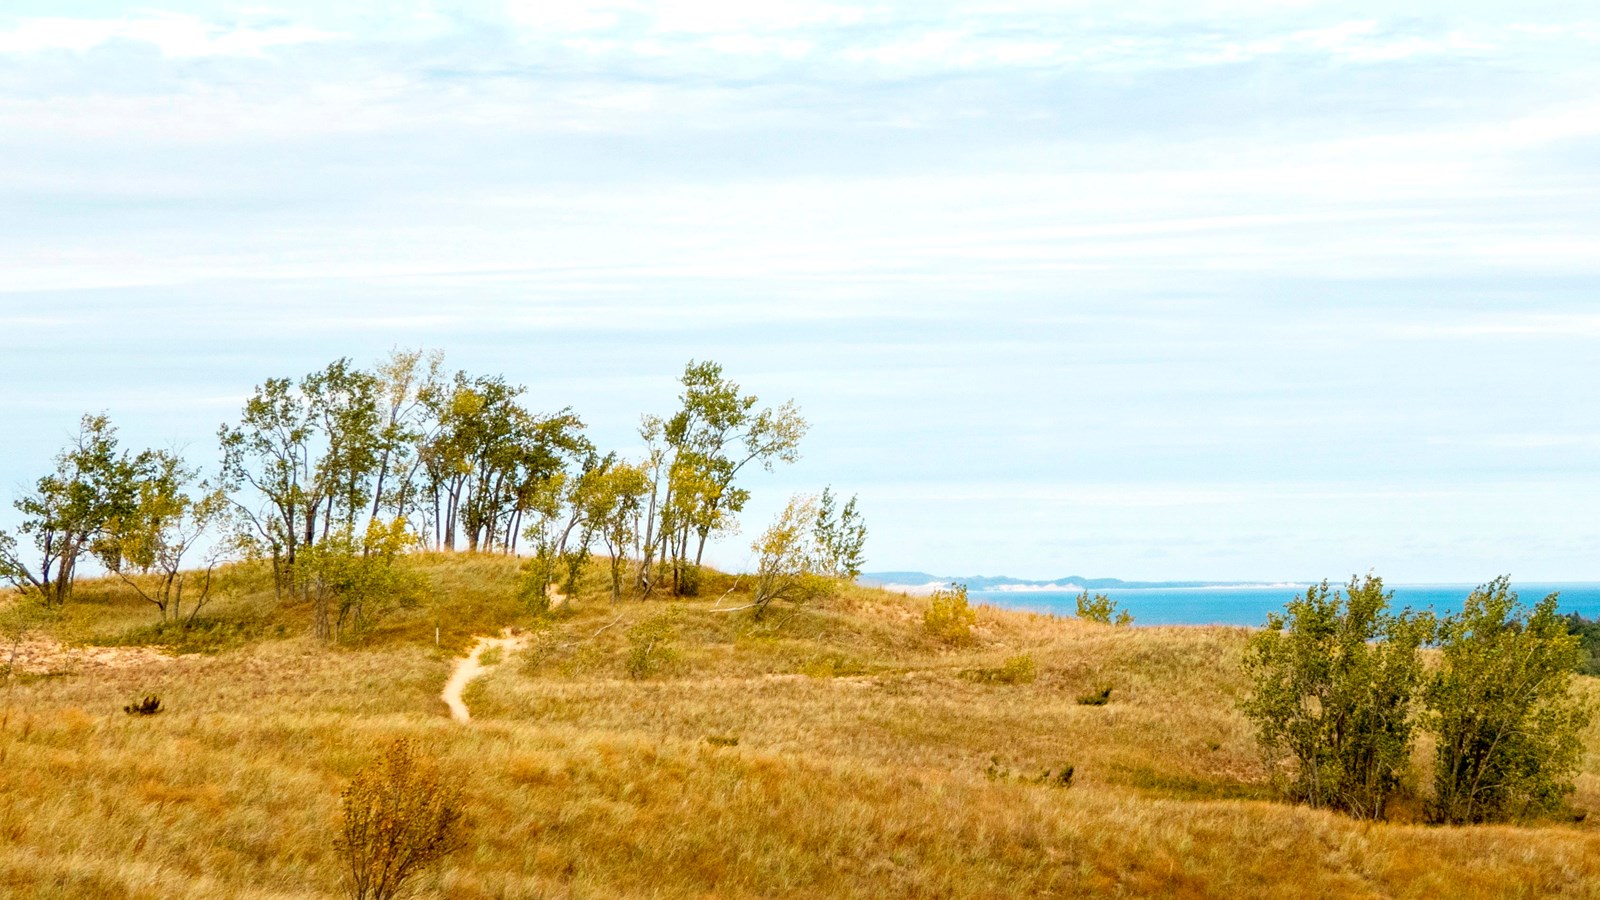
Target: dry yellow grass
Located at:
point(836, 751)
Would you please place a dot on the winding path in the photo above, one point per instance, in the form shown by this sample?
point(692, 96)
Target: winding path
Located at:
point(470, 666)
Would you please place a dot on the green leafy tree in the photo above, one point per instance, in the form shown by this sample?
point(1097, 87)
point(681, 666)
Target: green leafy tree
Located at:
point(488, 462)
point(352, 582)
point(696, 457)
point(612, 499)
point(1334, 679)
point(1101, 608)
point(268, 465)
point(146, 547)
point(790, 565)
point(841, 535)
point(69, 511)
point(1508, 725)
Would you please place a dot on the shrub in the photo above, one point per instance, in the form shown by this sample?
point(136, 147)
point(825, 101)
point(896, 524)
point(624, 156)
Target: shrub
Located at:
point(400, 816)
point(1016, 670)
point(148, 706)
point(1096, 698)
point(650, 643)
point(949, 617)
point(1508, 726)
point(533, 585)
point(1102, 609)
point(1061, 778)
point(1334, 683)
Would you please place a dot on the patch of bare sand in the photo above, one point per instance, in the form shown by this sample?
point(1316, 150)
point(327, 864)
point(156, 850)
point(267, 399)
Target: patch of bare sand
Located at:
point(45, 656)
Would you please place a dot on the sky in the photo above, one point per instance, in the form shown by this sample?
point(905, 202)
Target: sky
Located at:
point(1203, 290)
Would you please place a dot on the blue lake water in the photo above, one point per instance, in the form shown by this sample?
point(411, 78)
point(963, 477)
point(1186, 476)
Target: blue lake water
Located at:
point(1250, 605)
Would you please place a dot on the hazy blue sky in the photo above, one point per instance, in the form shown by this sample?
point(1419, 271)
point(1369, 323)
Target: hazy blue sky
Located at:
point(1191, 290)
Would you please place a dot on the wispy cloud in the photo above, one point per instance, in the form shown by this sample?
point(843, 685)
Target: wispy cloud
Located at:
point(174, 35)
point(1232, 287)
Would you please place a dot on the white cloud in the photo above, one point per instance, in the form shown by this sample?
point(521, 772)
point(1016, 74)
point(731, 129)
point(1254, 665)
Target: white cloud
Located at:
point(175, 36)
point(1548, 325)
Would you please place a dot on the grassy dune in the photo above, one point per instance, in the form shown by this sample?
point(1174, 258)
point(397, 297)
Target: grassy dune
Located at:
point(833, 751)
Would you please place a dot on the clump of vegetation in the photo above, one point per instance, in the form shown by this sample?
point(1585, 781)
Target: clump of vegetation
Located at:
point(1060, 777)
point(650, 644)
point(722, 740)
point(949, 616)
point(205, 635)
point(354, 582)
point(807, 550)
point(533, 586)
point(1099, 697)
point(401, 815)
point(1508, 725)
point(1338, 683)
point(1101, 608)
point(834, 665)
point(1020, 669)
point(149, 705)
point(1588, 633)
point(1335, 677)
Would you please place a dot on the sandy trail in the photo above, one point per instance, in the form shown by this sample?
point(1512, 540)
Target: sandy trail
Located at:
point(470, 667)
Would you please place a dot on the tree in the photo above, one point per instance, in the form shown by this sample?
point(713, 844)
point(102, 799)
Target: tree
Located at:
point(489, 462)
point(696, 456)
point(403, 382)
point(843, 538)
point(69, 510)
point(611, 497)
point(1334, 679)
point(272, 452)
point(1101, 608)
point(790, 565)
point(1508, 725)
point(173, 511)
point(354, 581)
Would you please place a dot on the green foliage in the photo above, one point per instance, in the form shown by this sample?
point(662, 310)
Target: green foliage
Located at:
point(1101, 608)
point(1508, 726)
point(1021, 669)
point(789, 565)
point(841, 536)
point(695, 458)
point(1334, 679)
point(611, 497)
point(533, 584)
point(145, 548)
point(73, 511)
point(353, 583)
point(1587, 632)
point(650, 643)
point(949, 617)
point(401, 815)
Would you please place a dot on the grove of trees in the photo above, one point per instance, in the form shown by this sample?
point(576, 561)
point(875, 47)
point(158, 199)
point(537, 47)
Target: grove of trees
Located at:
point(1342, 686)
point(331, 477)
